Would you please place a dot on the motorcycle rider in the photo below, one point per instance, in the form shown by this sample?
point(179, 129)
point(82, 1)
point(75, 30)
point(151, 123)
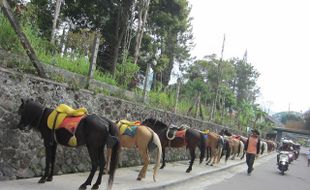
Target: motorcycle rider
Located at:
point(286, 146)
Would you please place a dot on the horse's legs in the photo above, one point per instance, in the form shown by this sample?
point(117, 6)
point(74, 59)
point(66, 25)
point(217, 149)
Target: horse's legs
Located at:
point(146, 160)
point(193, 156)
point(101, 168)
point(228, 152)
point(53, 156)
point(94, 157)
point(209, 156)
point(213, 153)
point(48, 152)
point(163, 156)
point(107, 163)
point(218, 154)
point(242, 155)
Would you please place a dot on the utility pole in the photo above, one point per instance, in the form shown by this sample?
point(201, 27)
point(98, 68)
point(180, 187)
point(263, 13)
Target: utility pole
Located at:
point(22, 37)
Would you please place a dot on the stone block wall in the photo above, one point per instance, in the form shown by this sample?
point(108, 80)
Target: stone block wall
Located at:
point(22, 153)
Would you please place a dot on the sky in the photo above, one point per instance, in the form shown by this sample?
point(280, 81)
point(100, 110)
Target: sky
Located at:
point(276, 35)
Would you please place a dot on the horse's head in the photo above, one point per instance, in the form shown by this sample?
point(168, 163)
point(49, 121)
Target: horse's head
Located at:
point(155, 124)
point(28, 112)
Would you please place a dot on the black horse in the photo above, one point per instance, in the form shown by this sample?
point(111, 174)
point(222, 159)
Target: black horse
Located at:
point(92, 130)
point(193, 138)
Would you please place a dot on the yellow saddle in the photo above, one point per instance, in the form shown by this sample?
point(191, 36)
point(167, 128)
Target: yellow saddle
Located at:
point(125, 124)
point(63, 111)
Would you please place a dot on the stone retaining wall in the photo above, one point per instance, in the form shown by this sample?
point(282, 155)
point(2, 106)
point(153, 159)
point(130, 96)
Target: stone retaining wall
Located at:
point(22, 153)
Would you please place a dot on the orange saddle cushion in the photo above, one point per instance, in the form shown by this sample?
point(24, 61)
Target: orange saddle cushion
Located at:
point(71, 123)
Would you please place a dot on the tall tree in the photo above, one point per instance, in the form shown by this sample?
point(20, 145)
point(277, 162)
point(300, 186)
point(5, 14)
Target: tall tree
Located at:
point(246, 77)
point(170, 28)
point(143, 11)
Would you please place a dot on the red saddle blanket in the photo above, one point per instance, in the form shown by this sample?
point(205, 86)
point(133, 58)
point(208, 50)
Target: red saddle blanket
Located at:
point(71, 123)
point(180, 134)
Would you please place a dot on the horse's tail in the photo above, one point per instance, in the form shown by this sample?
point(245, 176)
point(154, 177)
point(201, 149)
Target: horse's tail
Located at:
point(263, 148)
point(241, 148)
point(114, 144)
point(156, 141)
point(228, 150)
point(202, 147)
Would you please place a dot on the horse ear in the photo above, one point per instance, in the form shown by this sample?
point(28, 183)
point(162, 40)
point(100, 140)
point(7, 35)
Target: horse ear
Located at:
point(23, 101)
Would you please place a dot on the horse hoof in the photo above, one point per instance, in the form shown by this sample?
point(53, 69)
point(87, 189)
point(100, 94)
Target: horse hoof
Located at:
point(95, 187)
point(82, 187)
point(49, 179)
point(162, 167)
point(139, 178)
point(207, 164)
point(42, 180)
point(188, 170)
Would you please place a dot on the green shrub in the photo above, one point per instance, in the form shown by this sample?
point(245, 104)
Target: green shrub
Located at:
point(8, 38)
point(125, 72)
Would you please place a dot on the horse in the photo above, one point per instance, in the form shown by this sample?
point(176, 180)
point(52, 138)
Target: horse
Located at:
point(235, 144)
point(263, 146)
point(271, 145)
point(93, 131)
point(192, 138)
point(145, 139)
point(214, 145)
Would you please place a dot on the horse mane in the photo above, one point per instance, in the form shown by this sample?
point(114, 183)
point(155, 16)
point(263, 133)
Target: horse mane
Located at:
point(154, 123)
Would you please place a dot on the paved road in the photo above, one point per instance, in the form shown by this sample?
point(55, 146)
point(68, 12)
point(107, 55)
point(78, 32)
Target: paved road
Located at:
point(264, 177)
point(125, 178)
point(224, 176)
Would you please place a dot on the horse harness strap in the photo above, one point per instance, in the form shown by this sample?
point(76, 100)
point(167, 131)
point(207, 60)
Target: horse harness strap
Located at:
point(53, 137)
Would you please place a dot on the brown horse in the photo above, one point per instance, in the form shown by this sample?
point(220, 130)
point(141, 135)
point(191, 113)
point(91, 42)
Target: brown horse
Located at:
point(214, 144)
point(235, 144)
point(271, 145)
point(144, 138)
point(192, 138)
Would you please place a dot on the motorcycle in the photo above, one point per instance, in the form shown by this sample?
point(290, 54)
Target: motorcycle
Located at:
point(291, 156)
point(283, 161)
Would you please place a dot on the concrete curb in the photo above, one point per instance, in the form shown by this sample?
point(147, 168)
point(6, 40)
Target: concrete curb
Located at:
point(184, 181)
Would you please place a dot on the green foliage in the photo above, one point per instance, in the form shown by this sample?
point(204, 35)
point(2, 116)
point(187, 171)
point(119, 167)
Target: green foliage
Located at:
point(125, 72)
point(8, 38)
point(161, 100)
point(104, 77)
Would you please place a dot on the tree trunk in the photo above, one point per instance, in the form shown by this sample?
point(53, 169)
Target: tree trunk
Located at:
point(92, 66)
point(22, 37)
point(120, 28)
point(141, 23)
point(197, 104)
point(128, 34)
point(146, 81)
point(56, 15)
point(177, 95)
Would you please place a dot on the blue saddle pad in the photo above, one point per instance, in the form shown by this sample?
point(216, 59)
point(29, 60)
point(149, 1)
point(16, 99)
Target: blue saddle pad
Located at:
point(206, 136)
point(131, 131)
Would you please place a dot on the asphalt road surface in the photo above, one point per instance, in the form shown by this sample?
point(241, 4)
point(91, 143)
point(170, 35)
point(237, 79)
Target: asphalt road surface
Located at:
point(264, 177)
point(226, 176)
